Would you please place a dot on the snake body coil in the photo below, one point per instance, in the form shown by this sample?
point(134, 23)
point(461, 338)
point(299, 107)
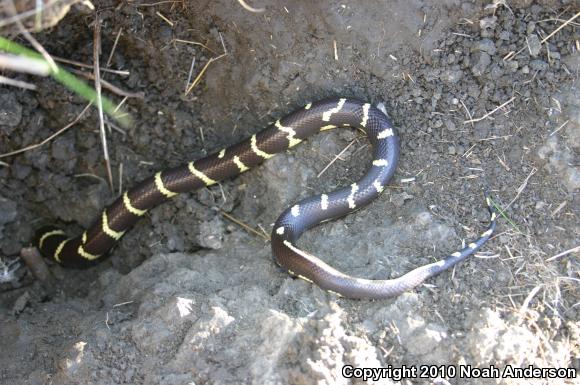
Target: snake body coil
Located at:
point(285, 133)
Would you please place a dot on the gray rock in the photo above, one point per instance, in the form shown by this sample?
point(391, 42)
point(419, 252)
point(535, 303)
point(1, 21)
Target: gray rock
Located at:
point(487, 23)
point(512, 65)
point(175, 240)
point(487, 45)
point(496, 71)
point(20, 171)
point(450, 125)
point(560, 160)
point(63, 148)
point(538, 65)
point(8, 211)
point(400, 199)
point(10, 113)
point(211, 234)
point(452, 76)
point(504, 35)
point(482, 61)
point(534, 45)
point(555, 55)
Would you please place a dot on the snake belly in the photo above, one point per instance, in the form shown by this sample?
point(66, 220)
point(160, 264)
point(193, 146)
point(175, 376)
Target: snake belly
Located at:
point(89, 247)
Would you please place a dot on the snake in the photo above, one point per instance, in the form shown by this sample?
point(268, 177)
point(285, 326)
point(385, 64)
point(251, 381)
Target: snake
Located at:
point(96, 241)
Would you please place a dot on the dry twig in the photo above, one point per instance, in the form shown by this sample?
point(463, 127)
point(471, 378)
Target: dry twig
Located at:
point(490, 113)
point(335, 159)
point(521, 188)
point(42, 143)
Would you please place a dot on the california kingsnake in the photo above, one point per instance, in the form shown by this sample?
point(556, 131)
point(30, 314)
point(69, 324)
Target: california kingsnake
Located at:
point(285, 133)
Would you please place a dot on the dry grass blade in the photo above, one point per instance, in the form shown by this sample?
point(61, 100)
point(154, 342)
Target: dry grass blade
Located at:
point(522, 187)
point(97, 72)
point(560, 27)
point(157, 3)
point(564, 253)
point(529, 298)
point(490, 113)
point(37, 46)
point(190, 74)
point(24, 64)
point(559, 128)
point(17, 83)
point(200, 75)
point(335, 159)
point(83, 65)
point(195, 43)
point(513, 55)
point(42, 143)
point(111, 87)
point(248, 228)
point(250, 8)
point(110, 59)
point(467, 112)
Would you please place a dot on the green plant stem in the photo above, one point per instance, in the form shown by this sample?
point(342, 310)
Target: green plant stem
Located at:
point(70, 81)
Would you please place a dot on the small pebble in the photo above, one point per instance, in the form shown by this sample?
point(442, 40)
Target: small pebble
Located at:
point(538, 65)
point(10, 113)
point(534, 45)
point(488, 23)
point(8, 210)
point(487, 45)
point(504, 35)
point(211, 234)
point(483, 61)
point(452, 76)
point(450, 125)
point(512, 65)
point(400, 198)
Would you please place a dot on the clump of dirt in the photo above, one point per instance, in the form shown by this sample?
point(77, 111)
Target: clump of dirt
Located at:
point(484, 97)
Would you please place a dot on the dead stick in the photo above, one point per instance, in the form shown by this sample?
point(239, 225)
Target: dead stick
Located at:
point(37, 266)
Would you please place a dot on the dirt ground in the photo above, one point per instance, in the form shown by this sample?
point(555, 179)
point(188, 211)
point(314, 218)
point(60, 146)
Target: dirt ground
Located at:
point(483, 95)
